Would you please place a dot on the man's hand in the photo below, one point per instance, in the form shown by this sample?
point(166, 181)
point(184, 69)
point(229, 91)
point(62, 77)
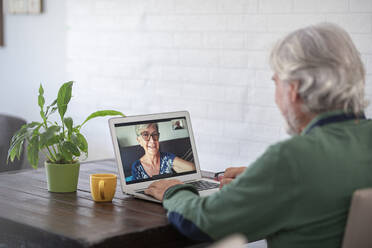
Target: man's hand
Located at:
point(158, 188)
point(230, 174)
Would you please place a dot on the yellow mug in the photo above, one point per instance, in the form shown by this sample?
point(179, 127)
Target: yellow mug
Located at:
point(102, 187)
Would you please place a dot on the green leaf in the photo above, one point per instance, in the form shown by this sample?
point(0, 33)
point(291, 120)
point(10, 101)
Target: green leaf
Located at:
point(33, 124)
point(42, 114)
point(79, 140)
point(53, 140)
point(48, 137)
point(21, 132)
point(25, 128)
point(41, 99)
point(41, 102)
point(64, 97)
point(52, 111)
point(49, 106)
point(72, 148)
point(82, 142)
point(16, 150)
point(68, 122)
point(33, 151)
point(16, 143)
point(68, 150)
point(74, 139)
point(53, 103)
point(20, 149)
point(102, 113)
point(66, 154)
point(59, 157)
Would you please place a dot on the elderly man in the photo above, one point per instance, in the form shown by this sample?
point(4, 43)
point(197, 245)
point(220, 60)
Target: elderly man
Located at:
point(297, 194)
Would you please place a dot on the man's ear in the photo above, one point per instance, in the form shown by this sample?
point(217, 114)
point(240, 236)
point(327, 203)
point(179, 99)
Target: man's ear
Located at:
point(293, 91)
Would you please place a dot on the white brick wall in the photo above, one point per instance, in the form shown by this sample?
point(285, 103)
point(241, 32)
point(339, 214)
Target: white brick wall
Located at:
point(205, 56)
point(270, 6)
point(360, 6)
point(322, 6)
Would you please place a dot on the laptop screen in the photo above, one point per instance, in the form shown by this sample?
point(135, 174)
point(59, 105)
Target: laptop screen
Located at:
point(151, 150)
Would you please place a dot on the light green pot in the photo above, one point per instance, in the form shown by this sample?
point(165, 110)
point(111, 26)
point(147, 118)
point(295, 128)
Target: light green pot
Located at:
point(62, 178)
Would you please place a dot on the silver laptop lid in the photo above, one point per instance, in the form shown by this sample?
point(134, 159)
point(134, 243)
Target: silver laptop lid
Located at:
point(174, 141)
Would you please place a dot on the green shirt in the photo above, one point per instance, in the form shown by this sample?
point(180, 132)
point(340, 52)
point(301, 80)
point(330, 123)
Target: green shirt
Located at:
point(297, 194)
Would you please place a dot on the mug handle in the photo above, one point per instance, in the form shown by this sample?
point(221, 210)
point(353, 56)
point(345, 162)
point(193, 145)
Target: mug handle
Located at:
point(102, 189)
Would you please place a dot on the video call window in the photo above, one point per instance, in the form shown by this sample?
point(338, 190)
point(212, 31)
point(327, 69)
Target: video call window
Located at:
point(151, 150)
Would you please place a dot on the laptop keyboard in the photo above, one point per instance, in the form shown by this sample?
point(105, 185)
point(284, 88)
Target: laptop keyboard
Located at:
point(199, 185)
point(203, 185)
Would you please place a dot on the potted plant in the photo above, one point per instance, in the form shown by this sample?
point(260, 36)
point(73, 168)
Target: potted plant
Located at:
point(61, 142)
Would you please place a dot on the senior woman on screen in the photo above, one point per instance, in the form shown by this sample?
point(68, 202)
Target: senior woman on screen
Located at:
point(155, 162)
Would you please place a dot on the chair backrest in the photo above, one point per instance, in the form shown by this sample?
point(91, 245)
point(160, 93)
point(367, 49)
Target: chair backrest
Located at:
point(232, 241)
point(359, 223)
point(8, 126)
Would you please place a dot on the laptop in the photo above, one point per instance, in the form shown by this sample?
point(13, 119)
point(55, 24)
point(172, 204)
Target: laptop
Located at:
point(167, 136)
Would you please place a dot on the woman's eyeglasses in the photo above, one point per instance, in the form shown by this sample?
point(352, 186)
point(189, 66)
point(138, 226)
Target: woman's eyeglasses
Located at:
point(146, 136)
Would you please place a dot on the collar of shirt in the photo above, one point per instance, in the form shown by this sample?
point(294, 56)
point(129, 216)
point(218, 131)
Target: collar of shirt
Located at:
point(330, 117)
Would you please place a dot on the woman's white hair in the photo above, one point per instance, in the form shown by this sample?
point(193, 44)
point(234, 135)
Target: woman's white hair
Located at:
point(138, 128)
point(327, 65)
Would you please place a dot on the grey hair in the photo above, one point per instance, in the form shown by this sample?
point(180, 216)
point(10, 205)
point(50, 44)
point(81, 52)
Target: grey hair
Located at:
point(327, 65)
point(140, 127)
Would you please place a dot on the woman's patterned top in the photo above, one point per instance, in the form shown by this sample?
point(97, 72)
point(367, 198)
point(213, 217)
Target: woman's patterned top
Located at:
point(166, 165)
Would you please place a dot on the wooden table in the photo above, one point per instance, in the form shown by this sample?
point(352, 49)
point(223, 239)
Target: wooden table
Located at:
point(30, 216)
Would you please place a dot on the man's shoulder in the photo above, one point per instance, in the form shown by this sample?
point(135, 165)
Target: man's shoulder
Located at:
point(283, 154)
point(296, 143)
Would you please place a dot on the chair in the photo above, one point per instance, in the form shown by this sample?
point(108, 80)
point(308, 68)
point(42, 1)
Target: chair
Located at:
point(8, 126)
point(358, 227)
point(232, 241)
